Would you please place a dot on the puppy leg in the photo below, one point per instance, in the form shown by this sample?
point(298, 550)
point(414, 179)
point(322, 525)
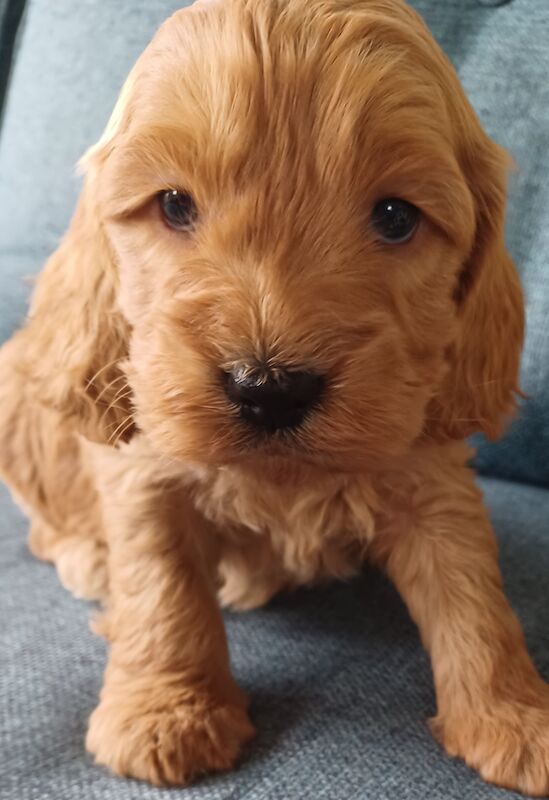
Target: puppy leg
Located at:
point(42, 463)
point(169, 708)
point(250, 575)
point(80, 559)
point(72, 537)
point(493, 708)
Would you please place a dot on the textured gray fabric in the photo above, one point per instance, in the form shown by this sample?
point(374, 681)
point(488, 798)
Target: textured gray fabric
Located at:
point(340, 685)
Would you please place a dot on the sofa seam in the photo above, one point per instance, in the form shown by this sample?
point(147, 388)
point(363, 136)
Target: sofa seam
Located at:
point(10, 30)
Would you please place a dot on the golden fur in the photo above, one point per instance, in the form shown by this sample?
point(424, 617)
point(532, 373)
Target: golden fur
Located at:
point(287, 120)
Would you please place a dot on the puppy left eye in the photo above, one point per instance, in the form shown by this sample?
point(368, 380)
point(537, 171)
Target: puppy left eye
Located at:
point(178, 210)
point(395, 220)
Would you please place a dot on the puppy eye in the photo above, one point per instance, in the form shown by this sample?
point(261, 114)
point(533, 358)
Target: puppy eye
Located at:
point(178, 210)
point(395, 220)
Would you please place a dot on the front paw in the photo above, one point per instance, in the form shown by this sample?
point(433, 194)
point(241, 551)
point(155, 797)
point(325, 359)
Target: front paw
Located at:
point(82, 567)
point(164, 744)
point(507, 744)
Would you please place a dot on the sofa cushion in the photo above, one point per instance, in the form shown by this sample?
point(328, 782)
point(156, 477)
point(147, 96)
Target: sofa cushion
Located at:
point(341, 688)
point(72, 62)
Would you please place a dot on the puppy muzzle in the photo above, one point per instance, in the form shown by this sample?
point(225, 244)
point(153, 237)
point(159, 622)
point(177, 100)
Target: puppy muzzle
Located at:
point(271, 399)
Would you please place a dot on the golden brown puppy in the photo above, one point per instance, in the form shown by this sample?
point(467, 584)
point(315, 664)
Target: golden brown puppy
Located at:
point(283, 302)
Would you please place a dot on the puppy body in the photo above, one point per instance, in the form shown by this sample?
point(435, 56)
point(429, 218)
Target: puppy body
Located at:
point(299, 525)
point(143, 481)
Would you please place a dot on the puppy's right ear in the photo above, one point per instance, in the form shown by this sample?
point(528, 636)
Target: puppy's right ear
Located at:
point(76, 336)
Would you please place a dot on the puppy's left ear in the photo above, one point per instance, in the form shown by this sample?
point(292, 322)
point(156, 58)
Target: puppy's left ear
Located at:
point(480, 388)
point(76, 335)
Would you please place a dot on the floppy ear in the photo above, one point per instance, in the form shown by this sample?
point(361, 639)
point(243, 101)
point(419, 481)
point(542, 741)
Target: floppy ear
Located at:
point(480, 388)
point(76, 337)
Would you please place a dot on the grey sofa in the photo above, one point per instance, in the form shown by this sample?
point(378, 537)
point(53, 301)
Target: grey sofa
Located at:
point(341, 688)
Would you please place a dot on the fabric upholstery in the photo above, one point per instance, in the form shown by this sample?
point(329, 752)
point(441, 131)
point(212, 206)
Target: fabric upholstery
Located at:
point(340, 685)
point(11, 12)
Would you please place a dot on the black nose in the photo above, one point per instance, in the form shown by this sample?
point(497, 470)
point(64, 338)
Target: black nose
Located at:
point(273, 399)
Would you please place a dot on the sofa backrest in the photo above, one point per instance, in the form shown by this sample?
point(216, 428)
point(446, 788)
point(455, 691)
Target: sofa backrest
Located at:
point(72, 59)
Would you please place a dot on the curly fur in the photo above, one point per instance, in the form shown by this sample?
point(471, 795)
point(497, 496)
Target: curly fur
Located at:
point(287, 120)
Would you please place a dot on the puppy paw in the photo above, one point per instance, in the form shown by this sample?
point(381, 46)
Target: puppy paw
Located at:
point(508, 745)
point(82, 567)
point(239, 598)
point(167, 746)
point(243, 590)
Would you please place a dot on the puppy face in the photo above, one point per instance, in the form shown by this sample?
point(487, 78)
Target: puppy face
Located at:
point(285, 189)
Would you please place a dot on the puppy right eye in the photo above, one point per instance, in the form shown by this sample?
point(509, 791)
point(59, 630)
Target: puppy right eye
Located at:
point(395, 220)
point(178, 210)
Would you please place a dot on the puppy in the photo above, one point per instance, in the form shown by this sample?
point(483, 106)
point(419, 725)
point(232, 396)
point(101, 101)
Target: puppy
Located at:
point(282, 304)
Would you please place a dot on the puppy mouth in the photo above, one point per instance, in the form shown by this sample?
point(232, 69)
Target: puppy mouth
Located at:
point(275, 434)
point(264, 441)
point(279, 448)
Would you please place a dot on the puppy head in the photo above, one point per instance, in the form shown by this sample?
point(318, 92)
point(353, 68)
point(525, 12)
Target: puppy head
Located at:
point(307, 222)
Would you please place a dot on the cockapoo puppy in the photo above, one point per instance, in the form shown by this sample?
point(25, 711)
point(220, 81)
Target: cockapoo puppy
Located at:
point(283, 302)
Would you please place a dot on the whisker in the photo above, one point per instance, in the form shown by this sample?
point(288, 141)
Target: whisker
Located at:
point(109, 386)
point(101, 370)
point(121, 429)
point(121, 395)
point(116, 421)
point(124, 431)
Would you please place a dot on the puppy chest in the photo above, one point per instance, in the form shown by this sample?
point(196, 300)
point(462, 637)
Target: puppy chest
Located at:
point(314, 529)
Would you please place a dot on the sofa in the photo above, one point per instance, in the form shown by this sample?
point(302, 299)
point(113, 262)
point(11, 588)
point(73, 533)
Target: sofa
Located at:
point(341, 688)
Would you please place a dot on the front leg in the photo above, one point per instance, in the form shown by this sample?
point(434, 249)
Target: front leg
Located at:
point(169, 708)
point(492, 706)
